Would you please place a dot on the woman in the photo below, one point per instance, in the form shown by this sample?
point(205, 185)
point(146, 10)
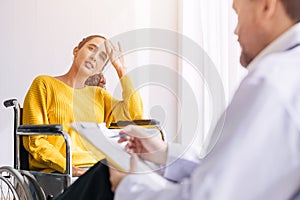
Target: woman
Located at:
point(66, 99)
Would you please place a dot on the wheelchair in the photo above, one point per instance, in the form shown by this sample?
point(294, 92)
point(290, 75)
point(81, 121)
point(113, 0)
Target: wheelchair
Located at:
point(18, 182)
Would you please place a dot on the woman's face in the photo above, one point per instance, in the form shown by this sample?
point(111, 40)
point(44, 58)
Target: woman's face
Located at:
point(91, 57)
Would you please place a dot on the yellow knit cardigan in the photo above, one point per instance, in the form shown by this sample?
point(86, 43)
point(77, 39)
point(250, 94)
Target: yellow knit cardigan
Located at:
point(51, 101)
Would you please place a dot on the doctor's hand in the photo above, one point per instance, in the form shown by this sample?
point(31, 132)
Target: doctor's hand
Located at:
point(116, 176)
point(116, 57)
point(147, 146)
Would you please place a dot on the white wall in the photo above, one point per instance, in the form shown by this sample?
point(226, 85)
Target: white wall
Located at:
point(37, 37)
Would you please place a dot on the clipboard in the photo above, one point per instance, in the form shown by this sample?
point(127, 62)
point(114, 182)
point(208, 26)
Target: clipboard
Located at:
point(97, 139)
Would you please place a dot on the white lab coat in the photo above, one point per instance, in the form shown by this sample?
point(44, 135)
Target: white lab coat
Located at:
point(258, 153)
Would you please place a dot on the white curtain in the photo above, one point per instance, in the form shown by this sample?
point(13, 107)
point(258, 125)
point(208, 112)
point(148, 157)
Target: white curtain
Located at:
point(210, 24)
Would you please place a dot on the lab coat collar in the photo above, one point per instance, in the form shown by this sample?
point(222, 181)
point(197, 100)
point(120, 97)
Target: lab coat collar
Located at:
point(284, 42)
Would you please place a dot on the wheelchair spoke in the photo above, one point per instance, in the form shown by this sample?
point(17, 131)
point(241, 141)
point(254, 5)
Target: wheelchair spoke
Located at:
point(17, 182)
point(7, 191)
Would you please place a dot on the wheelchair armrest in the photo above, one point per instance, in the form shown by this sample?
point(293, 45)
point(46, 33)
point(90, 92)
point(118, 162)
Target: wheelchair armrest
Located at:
point(49, 129)
point(139, 122)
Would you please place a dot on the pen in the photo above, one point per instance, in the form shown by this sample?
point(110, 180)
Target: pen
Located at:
point(120, 136)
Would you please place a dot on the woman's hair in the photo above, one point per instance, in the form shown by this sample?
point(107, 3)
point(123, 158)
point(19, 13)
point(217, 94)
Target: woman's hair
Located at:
point(292, 8)
point(85, 40)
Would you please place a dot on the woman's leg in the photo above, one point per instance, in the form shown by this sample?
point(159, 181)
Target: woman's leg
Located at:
point(93, 185)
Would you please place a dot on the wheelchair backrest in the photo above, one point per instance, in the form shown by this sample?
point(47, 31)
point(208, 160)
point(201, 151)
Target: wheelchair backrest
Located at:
point(20, 153)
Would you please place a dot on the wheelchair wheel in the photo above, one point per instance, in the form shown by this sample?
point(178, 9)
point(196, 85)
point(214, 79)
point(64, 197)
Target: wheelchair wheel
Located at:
point(36, 191)
point(17, 182)
point(7, 190)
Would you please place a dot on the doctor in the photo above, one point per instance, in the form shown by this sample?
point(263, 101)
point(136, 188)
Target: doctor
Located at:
point(258, 153)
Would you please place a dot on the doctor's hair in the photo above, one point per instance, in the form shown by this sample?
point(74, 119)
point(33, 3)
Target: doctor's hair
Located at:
point(292, 8)
point(88, 38)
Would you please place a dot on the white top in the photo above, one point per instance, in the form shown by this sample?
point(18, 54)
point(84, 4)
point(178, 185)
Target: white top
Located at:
point(258, 153)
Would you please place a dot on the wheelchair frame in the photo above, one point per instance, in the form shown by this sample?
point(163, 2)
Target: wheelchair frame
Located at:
point(33, 184)
point(20, 183)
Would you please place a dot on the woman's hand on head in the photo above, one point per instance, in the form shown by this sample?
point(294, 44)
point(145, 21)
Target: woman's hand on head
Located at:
point(116, 57)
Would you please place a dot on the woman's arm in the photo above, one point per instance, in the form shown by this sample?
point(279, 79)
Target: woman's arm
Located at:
point(131, 107)
point(43, 154)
